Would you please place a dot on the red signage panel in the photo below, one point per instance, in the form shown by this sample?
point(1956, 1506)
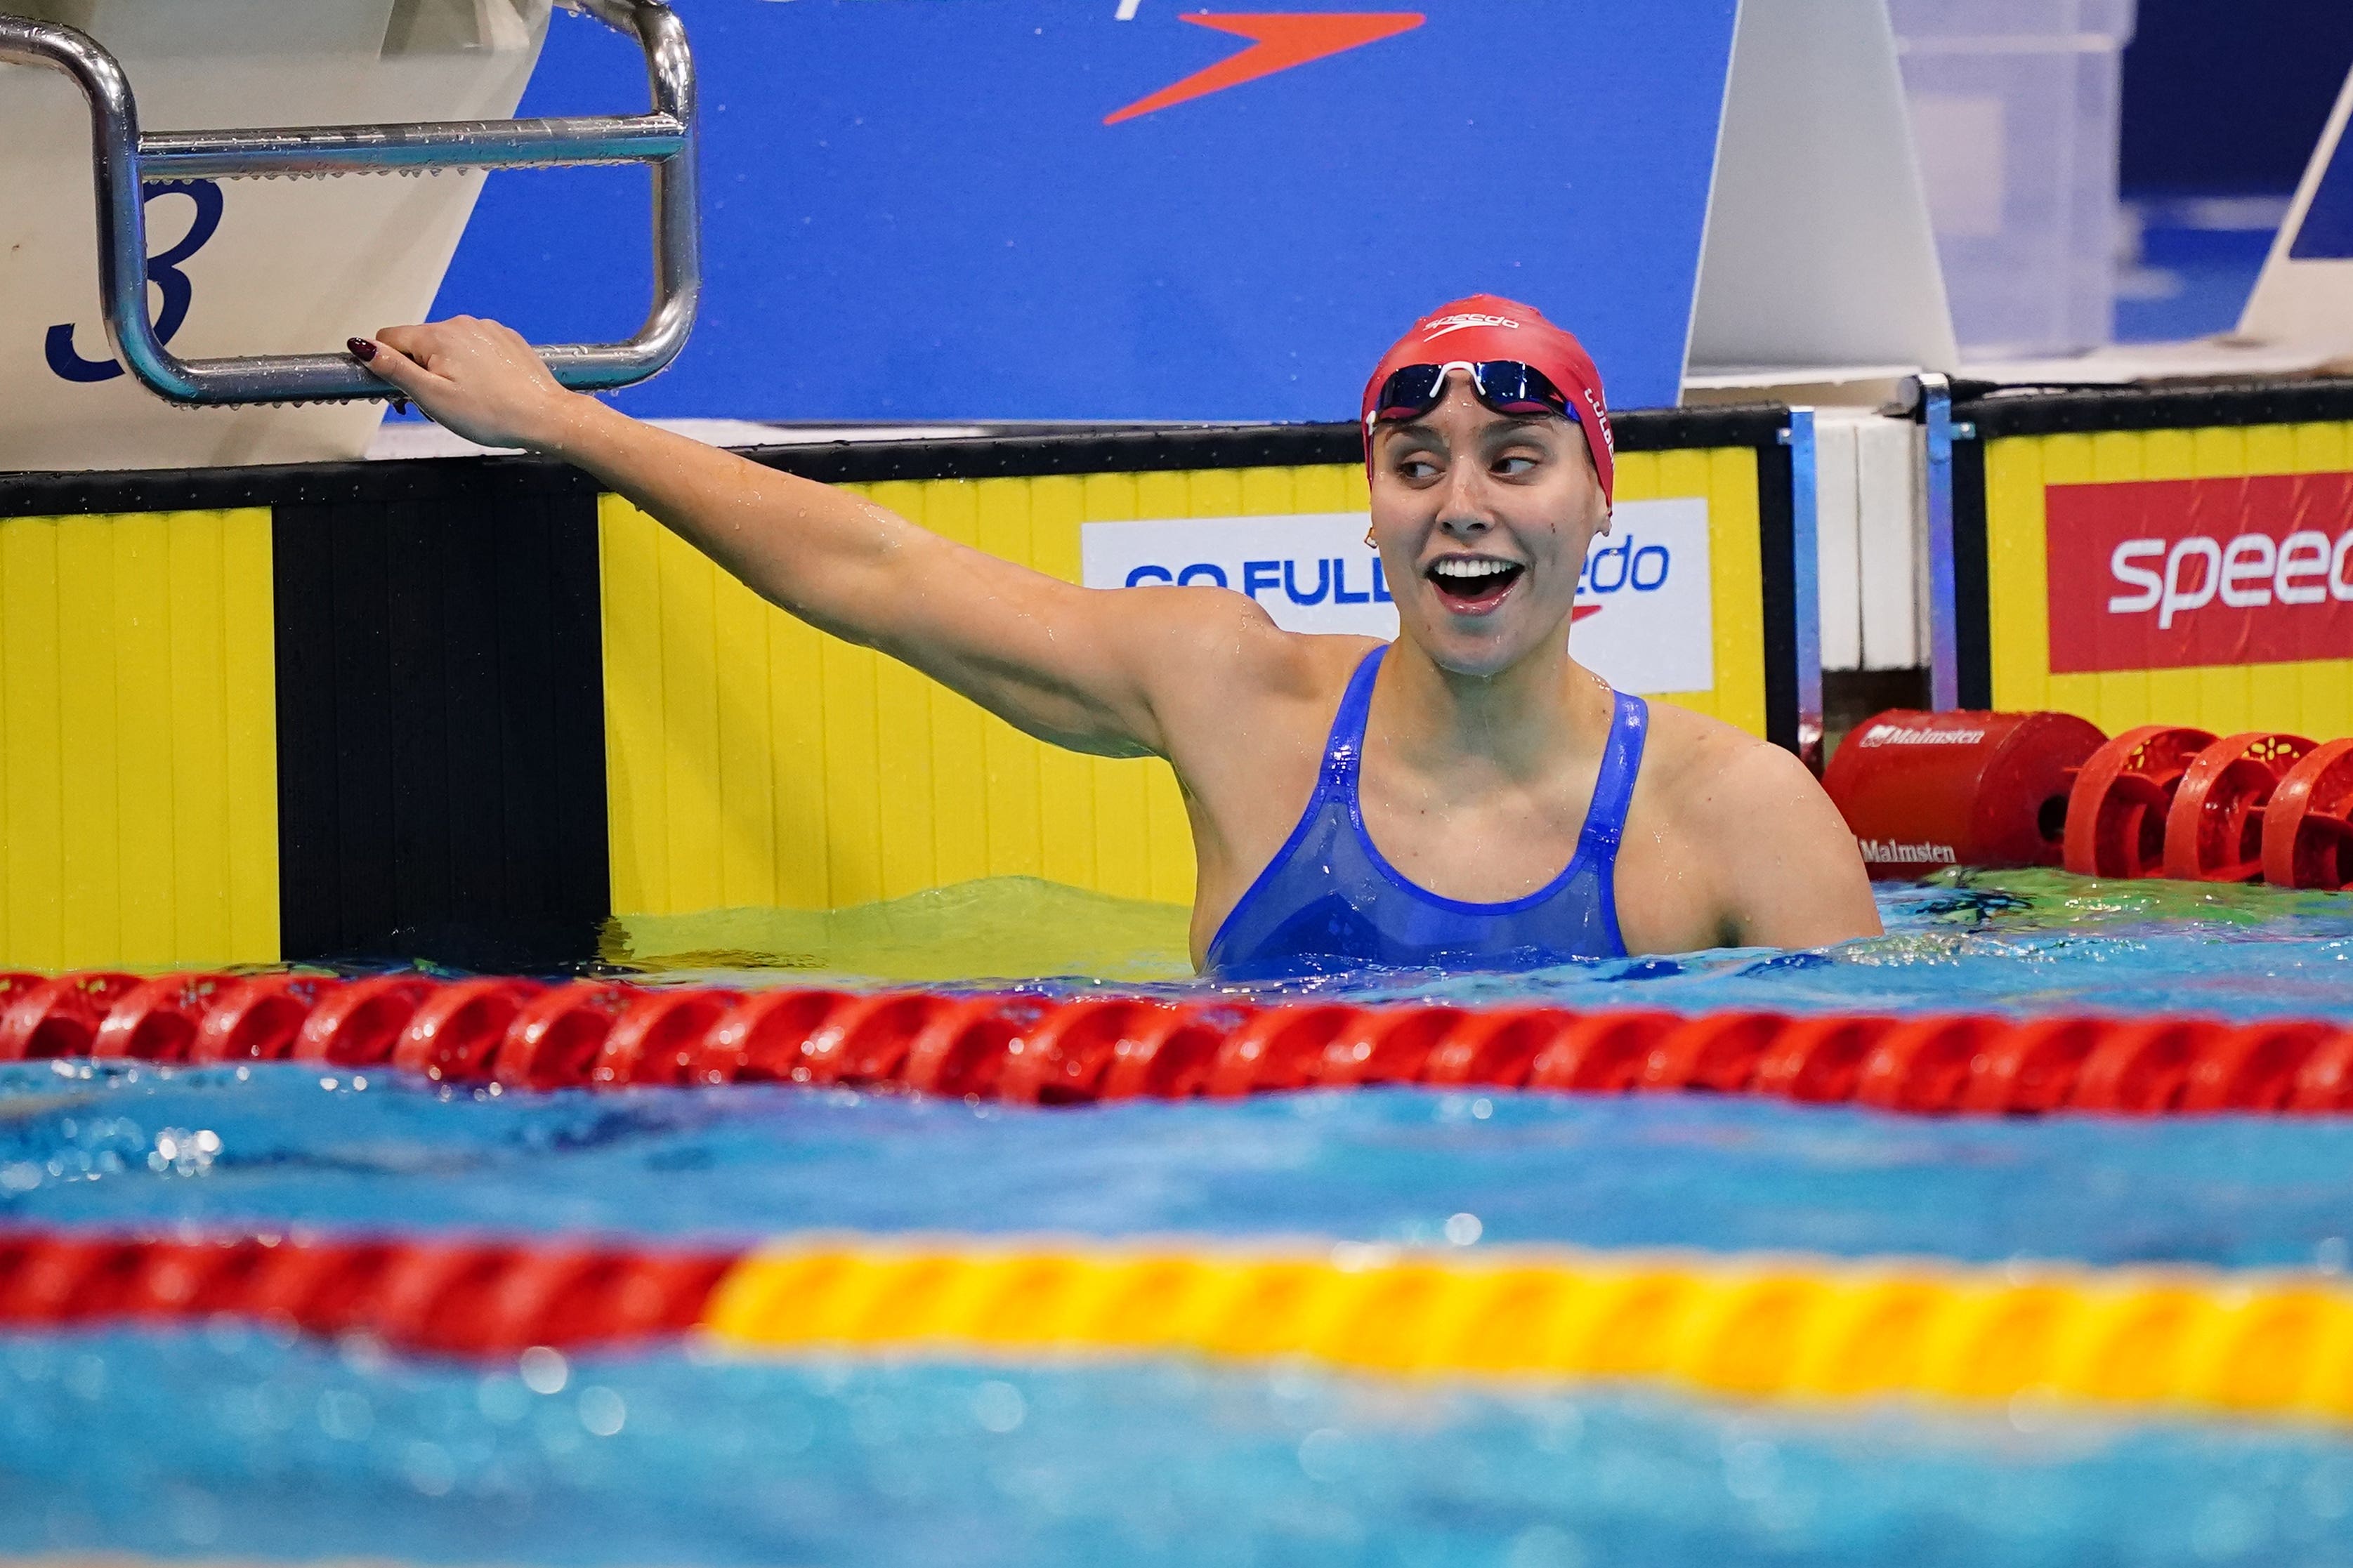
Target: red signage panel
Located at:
point(2168, 573)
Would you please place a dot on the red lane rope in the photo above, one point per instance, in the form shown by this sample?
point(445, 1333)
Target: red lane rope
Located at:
point(525, 1036)
point(451, 1298)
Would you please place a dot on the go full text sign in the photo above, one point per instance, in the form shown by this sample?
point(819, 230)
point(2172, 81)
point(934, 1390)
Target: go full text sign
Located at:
point(1644, 605)
point(2181, 573)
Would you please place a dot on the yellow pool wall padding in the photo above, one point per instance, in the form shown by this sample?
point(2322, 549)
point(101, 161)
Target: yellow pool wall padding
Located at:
point(753, 762)
point(2313, 698)
point(138, 740)
point(2187, 1341)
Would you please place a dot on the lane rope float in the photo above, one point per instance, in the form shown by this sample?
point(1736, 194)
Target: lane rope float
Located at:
point(2181, 1342)
point(523, 1035)
point(1921, 790)
point(469, 1298)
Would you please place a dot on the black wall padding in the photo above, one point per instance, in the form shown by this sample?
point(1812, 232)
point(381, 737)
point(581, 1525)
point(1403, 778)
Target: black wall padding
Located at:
point(1972, 582)
point(2068, 410)
point(1777, 555)
point(440, 729)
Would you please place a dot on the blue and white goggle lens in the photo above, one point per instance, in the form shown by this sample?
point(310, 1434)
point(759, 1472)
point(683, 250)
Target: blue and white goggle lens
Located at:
point(1505, 385)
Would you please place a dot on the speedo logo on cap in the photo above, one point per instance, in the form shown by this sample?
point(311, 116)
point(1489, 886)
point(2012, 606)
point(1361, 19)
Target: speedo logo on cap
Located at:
point(1441, 325)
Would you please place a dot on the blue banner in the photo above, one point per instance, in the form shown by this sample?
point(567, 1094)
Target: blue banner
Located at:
point(2326, 234)
point(1050, 209)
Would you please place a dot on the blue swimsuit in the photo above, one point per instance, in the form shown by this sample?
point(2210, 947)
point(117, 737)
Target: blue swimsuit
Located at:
point(1330, 901)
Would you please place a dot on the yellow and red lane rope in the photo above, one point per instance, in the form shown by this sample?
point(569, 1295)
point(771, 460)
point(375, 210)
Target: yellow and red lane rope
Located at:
point(522, 1035)
point(1752, 1326)
point(2151, 1341)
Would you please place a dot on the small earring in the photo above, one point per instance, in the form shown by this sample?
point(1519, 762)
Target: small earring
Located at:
point(1368, 540)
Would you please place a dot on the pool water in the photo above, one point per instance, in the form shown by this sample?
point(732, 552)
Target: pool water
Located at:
point(212, 1443)
point(221, 1441)
point(2019, 941)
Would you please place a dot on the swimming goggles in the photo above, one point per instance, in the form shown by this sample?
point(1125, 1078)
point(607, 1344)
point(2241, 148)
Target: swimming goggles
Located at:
point(1505, 385)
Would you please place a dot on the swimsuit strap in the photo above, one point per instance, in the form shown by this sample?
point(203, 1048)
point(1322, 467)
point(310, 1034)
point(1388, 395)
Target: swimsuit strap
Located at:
point(1345, 748)
point(1613, 788)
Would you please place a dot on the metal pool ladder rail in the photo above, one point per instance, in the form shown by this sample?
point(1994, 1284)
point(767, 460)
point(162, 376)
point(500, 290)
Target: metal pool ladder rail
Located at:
point(123, 159)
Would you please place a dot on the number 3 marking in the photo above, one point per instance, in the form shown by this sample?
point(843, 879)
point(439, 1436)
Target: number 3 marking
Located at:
point(163, 272)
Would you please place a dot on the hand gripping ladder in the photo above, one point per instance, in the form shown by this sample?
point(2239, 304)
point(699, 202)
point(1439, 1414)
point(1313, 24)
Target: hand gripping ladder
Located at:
point(124, 158)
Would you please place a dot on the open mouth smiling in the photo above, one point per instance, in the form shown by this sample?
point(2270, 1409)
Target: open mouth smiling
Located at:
point(1472, 585)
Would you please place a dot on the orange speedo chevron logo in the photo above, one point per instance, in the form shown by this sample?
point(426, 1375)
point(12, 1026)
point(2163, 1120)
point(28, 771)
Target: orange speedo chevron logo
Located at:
point(1278, 42)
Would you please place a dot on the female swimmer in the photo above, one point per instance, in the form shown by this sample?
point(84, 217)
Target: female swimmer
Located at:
point(1467, 796)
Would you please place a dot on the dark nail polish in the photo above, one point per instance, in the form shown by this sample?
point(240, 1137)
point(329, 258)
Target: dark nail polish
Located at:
point(400, 406)
point(362, 350)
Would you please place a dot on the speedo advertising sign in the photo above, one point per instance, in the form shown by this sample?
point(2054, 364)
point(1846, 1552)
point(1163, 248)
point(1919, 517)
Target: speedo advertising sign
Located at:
point(2175, 573)
point(1099, 209)
point(1644, 616)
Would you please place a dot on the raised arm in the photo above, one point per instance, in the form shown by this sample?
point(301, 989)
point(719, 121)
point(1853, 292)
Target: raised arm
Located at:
point(1075, 665)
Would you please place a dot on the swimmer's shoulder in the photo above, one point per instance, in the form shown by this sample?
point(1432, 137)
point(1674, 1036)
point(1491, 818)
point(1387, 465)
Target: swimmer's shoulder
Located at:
point(1216, 656)
point(1716, 807)
point(1709, 781)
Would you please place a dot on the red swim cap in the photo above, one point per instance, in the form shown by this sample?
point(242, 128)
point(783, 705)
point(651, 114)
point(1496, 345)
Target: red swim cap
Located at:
point(1487, 326)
